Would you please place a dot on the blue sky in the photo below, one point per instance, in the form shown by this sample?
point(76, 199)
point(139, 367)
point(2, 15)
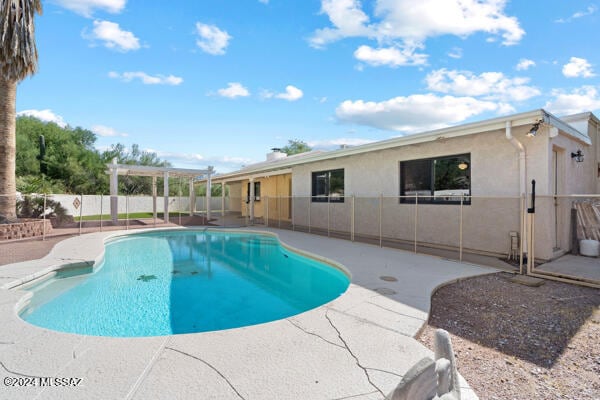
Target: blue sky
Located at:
point(220, 82)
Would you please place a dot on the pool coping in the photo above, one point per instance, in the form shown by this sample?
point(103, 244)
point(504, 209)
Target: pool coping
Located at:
point(358, 345)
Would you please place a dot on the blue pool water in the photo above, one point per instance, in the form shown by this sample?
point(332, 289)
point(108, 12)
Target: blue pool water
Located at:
point(172, 282)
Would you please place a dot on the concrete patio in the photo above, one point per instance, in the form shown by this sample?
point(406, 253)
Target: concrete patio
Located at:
point(358, 346)
point(569, 265)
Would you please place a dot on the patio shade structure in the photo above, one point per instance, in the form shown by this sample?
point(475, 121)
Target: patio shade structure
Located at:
point(114, 170)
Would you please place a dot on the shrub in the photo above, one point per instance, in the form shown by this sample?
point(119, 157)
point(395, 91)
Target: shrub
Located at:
point(33, 207)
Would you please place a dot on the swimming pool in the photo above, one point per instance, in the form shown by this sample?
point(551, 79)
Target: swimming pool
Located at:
point(184, 281)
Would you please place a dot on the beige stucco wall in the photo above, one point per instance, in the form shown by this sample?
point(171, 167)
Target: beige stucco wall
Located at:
point(275, 201)
point(486, 222)
point(235, 196)
point(553, 221)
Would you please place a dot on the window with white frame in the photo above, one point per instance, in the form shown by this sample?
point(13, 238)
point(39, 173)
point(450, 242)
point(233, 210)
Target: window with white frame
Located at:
point(443, 180)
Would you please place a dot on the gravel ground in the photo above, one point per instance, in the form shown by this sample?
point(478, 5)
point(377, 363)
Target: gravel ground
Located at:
point(518, 342)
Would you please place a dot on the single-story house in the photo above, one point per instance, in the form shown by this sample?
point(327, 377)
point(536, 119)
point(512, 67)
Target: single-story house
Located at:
point(473, 178)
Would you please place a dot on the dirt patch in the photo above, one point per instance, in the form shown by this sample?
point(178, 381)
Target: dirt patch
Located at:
point(518, 342)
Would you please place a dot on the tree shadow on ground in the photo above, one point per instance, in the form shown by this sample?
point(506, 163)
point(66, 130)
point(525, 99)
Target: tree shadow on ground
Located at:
point(535, 324)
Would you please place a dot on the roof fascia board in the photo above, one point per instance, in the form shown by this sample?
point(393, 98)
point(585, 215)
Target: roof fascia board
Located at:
point(499, 123)
point(567, 129)
point(525, 118)
point(242, 177)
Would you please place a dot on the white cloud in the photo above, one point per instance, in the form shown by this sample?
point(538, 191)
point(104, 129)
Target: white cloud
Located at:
point(413, 22)
point(390, 56)
point(415, 112)
point(291, 93)
point(584, 98)
point(456, 52)
point(233, 90)
point(46, 115)
point(348, 21)
point(147, 79)
point(87, 7)
point(337, 143)
point(491, 85)
point(578, 67)
point(211, 39)
point(579, 14)
point(524, 64)
point(113, 37)
point(106, 131)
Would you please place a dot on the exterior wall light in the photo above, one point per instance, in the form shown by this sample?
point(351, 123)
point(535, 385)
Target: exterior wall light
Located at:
point(463, 165)
point(577, 156)
point(534, 129)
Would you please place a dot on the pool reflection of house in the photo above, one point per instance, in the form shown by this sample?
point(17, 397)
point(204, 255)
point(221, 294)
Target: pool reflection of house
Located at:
point(495, 159)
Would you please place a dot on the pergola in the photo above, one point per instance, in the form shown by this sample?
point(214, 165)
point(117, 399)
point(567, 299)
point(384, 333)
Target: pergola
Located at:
point(114, 170)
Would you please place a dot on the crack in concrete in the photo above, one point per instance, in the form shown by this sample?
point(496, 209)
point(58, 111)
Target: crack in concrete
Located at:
point(385, 372)
point(314, 334)
point(395, 312)
point(352, 354)
point(211, 367)
point(367, 321)
point(354, 395)
point(18, 373)
point(358, 304)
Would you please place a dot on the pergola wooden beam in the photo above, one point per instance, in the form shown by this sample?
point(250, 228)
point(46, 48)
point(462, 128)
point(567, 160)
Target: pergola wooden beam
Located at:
point(114, 170)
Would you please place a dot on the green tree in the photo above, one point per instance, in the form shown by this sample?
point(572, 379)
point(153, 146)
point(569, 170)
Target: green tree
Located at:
point(73, 163)
point(18, 59)
point(296, 147)
point(134, 156)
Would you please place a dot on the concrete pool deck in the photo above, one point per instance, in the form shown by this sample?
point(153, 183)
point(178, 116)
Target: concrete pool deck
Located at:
point(358, 346)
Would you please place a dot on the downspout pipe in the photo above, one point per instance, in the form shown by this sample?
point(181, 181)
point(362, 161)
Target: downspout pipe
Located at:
point(522, 187)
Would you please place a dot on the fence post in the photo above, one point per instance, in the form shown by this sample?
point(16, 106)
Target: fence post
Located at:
point(279, 211)
point(80, 214)
point(460, 234)
point(531, 231)
point(416, 218)
point(380, 220)
point(291, 202)
point(101, 209)
point(352, 220)
point(44, 219)
point(522, 233)
point(328, 214)
point(309, 204)
point(267, 212)
point(127, 212)
point(179, 205)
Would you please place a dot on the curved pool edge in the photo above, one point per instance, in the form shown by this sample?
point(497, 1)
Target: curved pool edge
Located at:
point(317, 281)
point(380, 338)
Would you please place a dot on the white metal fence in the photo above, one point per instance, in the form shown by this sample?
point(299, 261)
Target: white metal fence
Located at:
point(465, 228)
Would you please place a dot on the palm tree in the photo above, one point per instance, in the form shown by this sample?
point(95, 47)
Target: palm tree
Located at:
point(18, 59)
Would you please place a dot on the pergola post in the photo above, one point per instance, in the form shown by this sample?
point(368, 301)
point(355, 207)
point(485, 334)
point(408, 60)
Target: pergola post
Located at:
point(154, 211)
point(114, 191)
point(192, 198)
point(166, 197)
point(114, 170)
point(208, 192)
point(222, 199)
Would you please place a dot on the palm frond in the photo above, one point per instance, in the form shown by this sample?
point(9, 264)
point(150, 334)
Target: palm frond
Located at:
point(18, 53)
